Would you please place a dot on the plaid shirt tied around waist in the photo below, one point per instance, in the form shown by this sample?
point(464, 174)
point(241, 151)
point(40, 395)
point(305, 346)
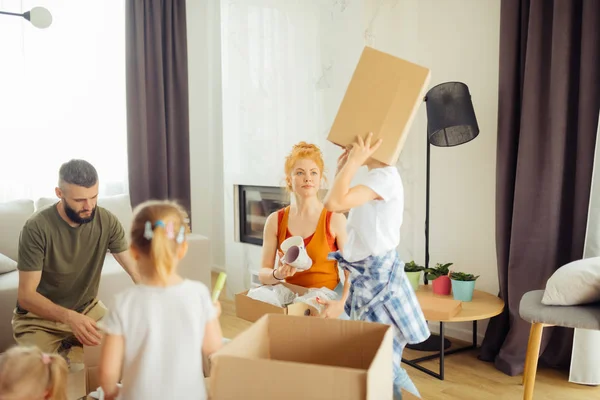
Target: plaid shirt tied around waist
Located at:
point(381, 292)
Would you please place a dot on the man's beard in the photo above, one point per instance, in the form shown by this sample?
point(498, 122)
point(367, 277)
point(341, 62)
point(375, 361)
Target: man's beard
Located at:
point(74, 215)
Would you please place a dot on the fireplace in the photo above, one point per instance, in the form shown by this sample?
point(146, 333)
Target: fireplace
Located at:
point(255, 204)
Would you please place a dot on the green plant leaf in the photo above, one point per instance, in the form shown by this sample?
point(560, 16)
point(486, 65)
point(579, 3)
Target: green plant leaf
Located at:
point(412, 267)
point(462, 276)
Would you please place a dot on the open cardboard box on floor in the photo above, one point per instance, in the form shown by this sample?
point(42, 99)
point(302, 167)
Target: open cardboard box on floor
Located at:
point(297, 358)
point(382, 97)
point(251, 309)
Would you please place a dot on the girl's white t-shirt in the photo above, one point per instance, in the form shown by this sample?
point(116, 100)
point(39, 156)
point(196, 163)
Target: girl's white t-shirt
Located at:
point(374, 227)
point(163, 329)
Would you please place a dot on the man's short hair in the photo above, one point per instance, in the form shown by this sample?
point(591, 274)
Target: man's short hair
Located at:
point(77, 172)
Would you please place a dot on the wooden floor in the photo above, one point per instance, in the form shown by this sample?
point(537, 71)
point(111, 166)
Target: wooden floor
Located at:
point(466, 378)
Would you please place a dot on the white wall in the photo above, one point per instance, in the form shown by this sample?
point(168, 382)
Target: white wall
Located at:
point(457, 39)
point(206, 135)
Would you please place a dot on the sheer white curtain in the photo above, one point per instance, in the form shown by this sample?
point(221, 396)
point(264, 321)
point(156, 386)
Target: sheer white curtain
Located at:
point(62, 96)
point(585, 360)
point(271, 63)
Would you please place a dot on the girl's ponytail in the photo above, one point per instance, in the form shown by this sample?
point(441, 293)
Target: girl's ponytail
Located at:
point(157, 231)
point(161, 252)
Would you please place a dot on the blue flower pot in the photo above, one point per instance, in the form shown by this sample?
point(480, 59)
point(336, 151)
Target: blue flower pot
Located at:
point(463, 290)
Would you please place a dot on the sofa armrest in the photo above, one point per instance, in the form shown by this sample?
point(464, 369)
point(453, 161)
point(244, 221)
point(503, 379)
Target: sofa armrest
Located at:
point(196, 265)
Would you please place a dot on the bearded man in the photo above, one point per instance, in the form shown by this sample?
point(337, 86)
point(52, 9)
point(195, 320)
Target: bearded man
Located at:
point(61, 254)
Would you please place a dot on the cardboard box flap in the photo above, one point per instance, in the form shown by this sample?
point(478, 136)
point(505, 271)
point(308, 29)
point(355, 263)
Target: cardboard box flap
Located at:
point(380, 374)
point(382, 97)
point(258, 336)
point(284, 380)
point(351, 344)
point(76, 385)
point(91, 355)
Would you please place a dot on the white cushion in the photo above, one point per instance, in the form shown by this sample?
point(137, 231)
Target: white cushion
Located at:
point(44, 202)
point(7, 264)
point(120, 206)
point(13, 215)
point(575, 283)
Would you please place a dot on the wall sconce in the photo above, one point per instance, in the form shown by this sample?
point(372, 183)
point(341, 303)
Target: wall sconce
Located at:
point(39, 17)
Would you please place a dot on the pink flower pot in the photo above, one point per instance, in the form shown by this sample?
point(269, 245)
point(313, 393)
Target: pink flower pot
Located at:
point(442, 285)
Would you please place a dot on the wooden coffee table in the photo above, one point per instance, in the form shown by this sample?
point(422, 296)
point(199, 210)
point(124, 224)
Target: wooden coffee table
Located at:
point(483, 306)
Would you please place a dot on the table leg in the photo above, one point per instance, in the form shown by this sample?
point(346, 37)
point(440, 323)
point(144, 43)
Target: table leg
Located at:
point(441, 354)
point(442, 351)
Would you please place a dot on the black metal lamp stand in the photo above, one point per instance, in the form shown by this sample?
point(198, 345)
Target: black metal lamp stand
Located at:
point(451, 122)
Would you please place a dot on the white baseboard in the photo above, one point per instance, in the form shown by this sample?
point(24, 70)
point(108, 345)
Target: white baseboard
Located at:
point(459, 330)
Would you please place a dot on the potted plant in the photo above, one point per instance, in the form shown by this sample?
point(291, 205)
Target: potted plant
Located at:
point(463, 285)
point(413, 272)
point(438, 276)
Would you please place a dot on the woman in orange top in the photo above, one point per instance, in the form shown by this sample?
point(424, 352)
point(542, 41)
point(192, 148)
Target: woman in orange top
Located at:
point(322, 230)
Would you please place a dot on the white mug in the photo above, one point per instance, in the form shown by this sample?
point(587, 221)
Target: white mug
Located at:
point(292, 241)
point(295, 254)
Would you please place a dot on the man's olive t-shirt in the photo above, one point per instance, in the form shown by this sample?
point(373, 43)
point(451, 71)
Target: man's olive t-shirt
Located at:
point(70, 258)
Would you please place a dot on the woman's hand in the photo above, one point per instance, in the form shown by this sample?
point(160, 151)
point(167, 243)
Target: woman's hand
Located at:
point(284, 270)
point(362, 150)
point(333, 308)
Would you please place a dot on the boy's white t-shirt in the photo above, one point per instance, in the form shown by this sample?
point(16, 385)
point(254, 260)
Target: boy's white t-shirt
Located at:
point(374, 227)
point(163, 329)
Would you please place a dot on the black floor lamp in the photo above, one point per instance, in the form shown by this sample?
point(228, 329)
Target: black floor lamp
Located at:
point(450, 122)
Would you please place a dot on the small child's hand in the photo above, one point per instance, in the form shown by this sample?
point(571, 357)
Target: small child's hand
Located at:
point(333, 308)
point(112, 395)
point(217, 305)
point(362, 150)
point(342, 160)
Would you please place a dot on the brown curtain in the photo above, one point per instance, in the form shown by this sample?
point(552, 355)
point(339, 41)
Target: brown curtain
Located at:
point(157, 101)
point(549, 97)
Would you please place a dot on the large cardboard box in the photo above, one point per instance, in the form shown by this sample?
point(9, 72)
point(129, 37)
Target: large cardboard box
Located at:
point(383, 97)
point(297, 358)
point(251, 309)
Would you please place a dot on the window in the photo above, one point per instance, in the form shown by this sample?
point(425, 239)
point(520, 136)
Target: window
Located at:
point(62, 96)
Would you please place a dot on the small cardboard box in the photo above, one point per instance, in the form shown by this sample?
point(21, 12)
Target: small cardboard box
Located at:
point(438, 308)
point(91, 359)
point(76, 385)
point(383, 97)
point(81, 383)
point(251, 309)
point(297, 358)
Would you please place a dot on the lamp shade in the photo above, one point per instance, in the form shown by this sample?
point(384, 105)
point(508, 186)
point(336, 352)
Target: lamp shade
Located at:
point(450, 115)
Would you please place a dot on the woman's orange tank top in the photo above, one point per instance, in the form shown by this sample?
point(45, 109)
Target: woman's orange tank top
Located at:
point(323, 272)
